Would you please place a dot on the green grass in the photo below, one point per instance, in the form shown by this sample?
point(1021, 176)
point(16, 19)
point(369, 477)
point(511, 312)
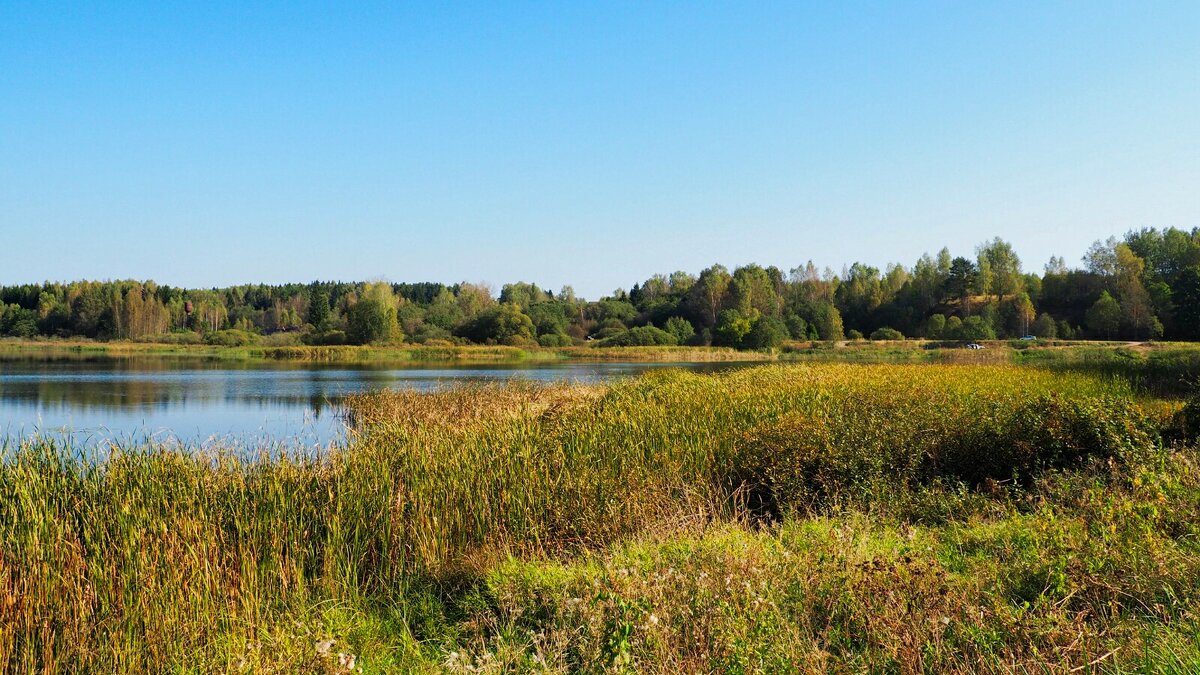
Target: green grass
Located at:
point(819, 518)
point(1168, 369)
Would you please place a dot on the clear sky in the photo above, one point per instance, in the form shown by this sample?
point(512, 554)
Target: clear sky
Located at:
point(595, 144)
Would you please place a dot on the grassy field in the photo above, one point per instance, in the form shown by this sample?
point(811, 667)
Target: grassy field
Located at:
point(783, 518)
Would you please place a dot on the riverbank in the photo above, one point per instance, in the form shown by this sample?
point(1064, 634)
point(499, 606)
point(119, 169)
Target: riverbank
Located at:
point(843, 350)
point(1165, 368)
point(66, 349)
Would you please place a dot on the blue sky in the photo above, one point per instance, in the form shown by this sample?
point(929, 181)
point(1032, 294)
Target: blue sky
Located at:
point(587, 143)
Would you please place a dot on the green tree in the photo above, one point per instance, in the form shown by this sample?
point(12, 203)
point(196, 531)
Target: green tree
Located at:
point(1136, 306)
point(1025, 313)
point(767, 332)
point(549, 318)
point(609, 308)
point(1104, 316)
point(522, 294)
point(1044, 327)
point(998, 257)
point(709, 292)
point(681, 328)
point(751, 288)
point(444, 311)
point(502, 324)
point(828, 321)
point(473, 299)
point(935, 327)
point(1186, 292)
point(961, 281)
point(975, 328)
point(797, 327)
point(373, 318)
point(859, 294)
point(732, 328)
point(318, 310)
point(953, 330)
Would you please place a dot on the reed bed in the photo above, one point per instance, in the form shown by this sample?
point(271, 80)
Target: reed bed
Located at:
point(410, 544)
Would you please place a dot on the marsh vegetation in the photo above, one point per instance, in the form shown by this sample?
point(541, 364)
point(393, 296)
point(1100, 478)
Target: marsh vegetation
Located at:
point(812, 518)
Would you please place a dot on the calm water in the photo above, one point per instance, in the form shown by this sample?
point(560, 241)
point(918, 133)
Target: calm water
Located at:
point(204, 403)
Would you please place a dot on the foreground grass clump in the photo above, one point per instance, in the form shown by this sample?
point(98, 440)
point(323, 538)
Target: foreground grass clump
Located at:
point(1088, 574)
point(826, 517)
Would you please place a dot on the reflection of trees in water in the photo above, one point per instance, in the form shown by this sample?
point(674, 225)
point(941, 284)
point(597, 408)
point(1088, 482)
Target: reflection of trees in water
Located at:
point(133, 394)
point(92, 383)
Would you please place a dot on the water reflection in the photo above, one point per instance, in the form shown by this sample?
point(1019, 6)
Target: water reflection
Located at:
point(206, 402)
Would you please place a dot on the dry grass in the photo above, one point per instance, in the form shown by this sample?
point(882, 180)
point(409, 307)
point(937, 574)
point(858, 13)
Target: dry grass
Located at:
point(462, 407)
point(460, 528)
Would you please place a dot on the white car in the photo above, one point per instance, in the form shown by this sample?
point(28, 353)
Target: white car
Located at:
point(974, 345)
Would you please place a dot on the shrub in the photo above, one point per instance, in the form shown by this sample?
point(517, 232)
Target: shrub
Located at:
point(1187, 420)
point(732, 328)
point(1049, 432)
point(185, 337)
point(503, 324)
point(326, 338)
point(863, 443)
point(554, 340)
point(281, 339)
point(886, 334)
point(681, 328)
point(232, 337)
point(854, 334)
point(971, 328)
point(797, 327)
point(766, 333)
point(642, 336)
point(935, 327)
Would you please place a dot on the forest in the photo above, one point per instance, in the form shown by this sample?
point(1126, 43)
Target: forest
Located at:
point(1145, 285)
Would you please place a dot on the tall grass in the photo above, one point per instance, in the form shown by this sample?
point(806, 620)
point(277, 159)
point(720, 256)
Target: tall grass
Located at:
point(1162, 369)
point(150, 559)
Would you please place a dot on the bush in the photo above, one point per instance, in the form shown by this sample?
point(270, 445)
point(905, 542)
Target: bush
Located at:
point(230, 338)
point(732, 328)
point(554, 340)
point(326, 338)
point(972, 328)
point(281, 339)
point(854, 334)
point(609, 332)
point(185, 337)
point(503, 324)
point(767, 333)
point(886, 334)
point(430, 333)
point(869, 443)
point(1187, 420)
point(797, 327)
point(1050, 432)
point(642, 336)
point(681, 328)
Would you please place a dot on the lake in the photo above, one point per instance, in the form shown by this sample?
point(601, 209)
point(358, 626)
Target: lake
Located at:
point(202, 403)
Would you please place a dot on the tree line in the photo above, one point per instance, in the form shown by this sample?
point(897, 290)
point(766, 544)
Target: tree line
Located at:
point(1145, 285)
